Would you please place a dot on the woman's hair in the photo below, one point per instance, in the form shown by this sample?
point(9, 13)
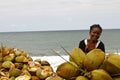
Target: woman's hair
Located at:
point(95, 26)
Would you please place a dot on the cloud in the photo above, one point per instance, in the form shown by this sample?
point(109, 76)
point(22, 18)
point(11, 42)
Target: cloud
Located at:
point(55, 7)
point(56, 14)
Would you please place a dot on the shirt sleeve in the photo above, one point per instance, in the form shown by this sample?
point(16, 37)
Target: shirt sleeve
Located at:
point(82, 45)
point(101, 46)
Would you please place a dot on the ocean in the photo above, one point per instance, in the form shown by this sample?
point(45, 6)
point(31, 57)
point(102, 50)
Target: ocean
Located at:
point(45, 44)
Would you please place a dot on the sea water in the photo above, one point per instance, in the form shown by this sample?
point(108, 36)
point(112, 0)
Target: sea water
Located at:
point(50, 45)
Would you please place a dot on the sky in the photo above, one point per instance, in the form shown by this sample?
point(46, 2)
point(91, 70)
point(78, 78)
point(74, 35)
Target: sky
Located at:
point(44, 15)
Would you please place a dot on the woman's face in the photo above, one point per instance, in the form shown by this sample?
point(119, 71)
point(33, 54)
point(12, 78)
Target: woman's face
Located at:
point(95, 34)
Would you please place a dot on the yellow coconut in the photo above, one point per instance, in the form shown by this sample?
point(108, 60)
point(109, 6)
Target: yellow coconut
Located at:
point(100, 74)
point(81, 78)
point(112, 63)
point(67, 70)
point(77, 56)
point(94, 59)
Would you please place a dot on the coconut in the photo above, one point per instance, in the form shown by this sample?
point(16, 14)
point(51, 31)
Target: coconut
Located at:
point(18, 65)
point(112, 63)
point(17, 52)
point(25, 67)
point(14, 72)
point(21, 59)
point(67, 70)
point(9, 57)
point(44, 72)
point(4, 78)
point(23, 53)
point(94, 59)
point(81, 78)
point(12, 78)
point(6, 50)
point(77, 56)
point(7, 64)
point(25, 72)
point(23, 77)
point(54, 78)
point(45, 63)
point(38, 72)
point(100, 74)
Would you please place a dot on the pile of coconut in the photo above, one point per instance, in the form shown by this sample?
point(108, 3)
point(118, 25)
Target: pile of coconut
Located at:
point(95, 65)
point(16, 64)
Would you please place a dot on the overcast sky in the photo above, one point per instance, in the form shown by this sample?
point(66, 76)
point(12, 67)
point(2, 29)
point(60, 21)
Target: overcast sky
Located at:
point(38, 15)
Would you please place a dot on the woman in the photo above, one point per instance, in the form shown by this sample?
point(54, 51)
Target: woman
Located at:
point(89, 44)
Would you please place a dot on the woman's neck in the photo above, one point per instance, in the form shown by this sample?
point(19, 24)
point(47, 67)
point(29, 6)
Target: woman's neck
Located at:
point(92, 41)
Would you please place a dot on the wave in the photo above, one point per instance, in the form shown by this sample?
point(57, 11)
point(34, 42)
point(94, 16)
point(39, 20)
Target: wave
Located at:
point(54, 61)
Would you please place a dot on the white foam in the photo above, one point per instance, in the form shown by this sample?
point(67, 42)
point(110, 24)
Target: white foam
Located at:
point(55, 61)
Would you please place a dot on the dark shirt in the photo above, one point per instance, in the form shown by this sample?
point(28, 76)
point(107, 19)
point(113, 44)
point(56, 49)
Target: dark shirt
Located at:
point(83, 46)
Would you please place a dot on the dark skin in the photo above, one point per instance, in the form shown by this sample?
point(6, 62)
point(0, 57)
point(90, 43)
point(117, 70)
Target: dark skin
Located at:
point(94, 36)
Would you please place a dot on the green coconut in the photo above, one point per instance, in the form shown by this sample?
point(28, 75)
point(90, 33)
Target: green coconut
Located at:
point(20, 59)
point(68, 70)
point(100, 74)
point(25, 67)
point(81, 78)
point(26, 72)
point(112, 64)
point(14, 72)
point(7, 64)
point(94, 59)
point(12, 78)
point(77, 56)
point(38, 72)
point(9, 57)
